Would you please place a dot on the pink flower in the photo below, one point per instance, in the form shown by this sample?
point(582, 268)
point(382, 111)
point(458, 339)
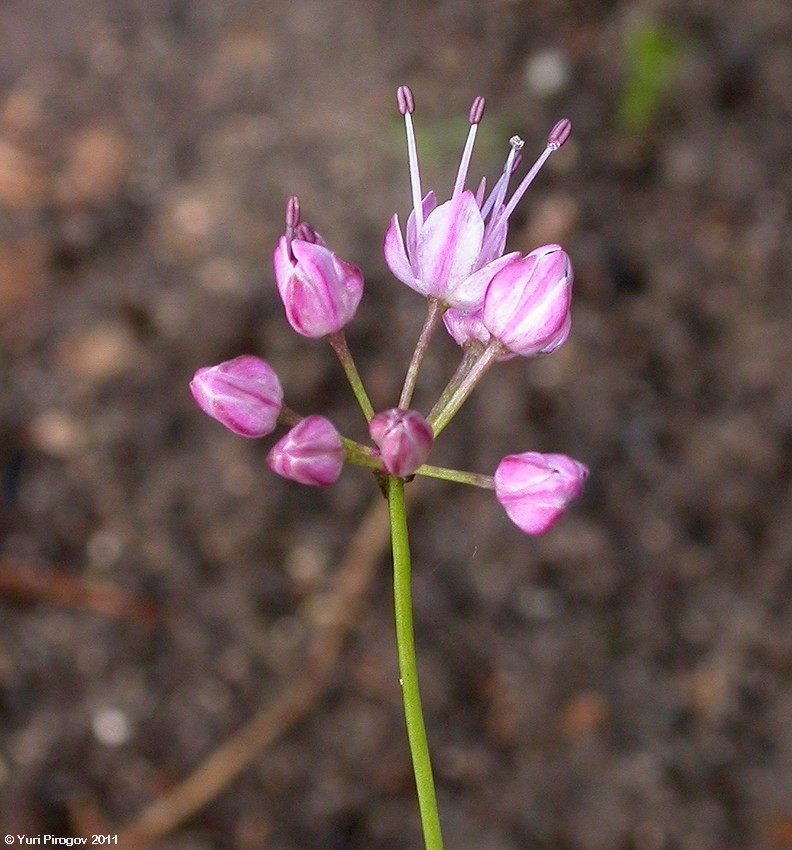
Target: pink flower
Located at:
point(450, 252)
point(404, 439)
point(320, 291)
point(526, 307)
point(535, 488)
point(446, 259)
point(311, 453)
point(244, 394)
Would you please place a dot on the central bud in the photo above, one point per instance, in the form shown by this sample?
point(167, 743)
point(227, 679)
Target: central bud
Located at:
point(404, 439)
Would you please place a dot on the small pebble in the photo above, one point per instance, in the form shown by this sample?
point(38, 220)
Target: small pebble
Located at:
point(111, 727)
point(547, 73)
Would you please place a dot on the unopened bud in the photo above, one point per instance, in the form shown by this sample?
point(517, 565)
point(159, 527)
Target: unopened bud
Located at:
point(244, 394)
point(320, 291)
point(311, 453)
point(404, 439)
point(526, 306)
point(535, 489)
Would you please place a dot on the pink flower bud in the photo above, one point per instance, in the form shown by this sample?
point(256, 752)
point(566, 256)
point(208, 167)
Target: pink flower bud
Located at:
point(526, 307)
point(319, 290)
point(404, 438)
point(311, 453)
point(244, 394)
point(535, 489)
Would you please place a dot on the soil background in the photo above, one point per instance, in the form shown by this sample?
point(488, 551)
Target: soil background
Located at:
point(623, 683)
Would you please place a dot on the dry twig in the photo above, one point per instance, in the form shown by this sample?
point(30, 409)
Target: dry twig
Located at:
point(67, 591)
point(222, 766)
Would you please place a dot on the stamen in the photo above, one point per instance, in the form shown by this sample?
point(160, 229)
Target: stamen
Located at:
point(500, 188)
point(406, 101)
point(476, 114)
point(527, 180)
point(482, 188)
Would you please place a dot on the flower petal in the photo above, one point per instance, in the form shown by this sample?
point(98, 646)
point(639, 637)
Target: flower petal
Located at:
point(449, 245)
point(469, 294)
point(427, 205)
point(396, 256)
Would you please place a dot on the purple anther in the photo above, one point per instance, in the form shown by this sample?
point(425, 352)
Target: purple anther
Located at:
point(405, 99)
point(304, 231)
point(292, 212)
point(477, 110)
point(559, 134)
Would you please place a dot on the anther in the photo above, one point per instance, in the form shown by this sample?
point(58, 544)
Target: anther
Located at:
point(559, 134)
point(477, 110)
point(517, 143)
point(405, 99)
point(305, 232)
point(292, 212)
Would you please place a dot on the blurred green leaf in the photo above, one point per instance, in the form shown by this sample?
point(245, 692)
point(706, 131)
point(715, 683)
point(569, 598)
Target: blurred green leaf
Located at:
point(654, 56)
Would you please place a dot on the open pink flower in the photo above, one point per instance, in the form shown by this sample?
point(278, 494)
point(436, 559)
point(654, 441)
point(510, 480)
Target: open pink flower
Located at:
point(446, 259)
point(244, 394)
point(535, 488)
point(450, 252)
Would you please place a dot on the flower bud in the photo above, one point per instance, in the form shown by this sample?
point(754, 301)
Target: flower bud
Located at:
point(244, 394)
point(311, 453)
point(319, 290)
point(526, 306)
point(535, 488)
point(404, 438)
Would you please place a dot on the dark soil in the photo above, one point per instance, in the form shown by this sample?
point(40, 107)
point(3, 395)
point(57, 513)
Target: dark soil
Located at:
point(623, 683)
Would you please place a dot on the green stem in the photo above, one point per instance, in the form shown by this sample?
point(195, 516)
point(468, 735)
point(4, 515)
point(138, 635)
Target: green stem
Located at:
point(471, 353)
point(458, 476)
point(339, 343)
point(408, 667)
point(360, 455)
point(434, 313)
point(439, 418)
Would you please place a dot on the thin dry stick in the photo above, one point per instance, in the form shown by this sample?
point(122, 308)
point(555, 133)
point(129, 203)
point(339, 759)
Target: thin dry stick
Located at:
point(56, 588)
point(221, 767)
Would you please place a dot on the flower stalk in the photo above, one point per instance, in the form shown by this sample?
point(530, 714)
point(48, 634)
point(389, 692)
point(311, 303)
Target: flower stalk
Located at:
point(440, 416)
point(408, 666)
point(495, 305)
point(338, 342)
point(434, 313)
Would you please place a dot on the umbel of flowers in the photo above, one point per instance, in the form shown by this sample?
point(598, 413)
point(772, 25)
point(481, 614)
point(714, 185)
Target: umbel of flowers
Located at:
point(495, 304)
